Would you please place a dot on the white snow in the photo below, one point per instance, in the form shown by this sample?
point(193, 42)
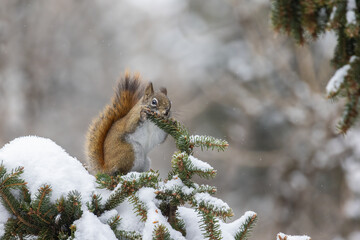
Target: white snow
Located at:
point(4, 216)
point(108, 215)
point(154, 216)
point(45, 162)
point(208, 199)
point(193, 229)
point(198, 164)
point(89, 227)
point(173, 184)
point(282, 236)
point(350, 14)
point(192, 223)
point(131, 176)
point(196, 138)
point(129, 220)
point(332, 15)
point(230, 229)
point(335, 82)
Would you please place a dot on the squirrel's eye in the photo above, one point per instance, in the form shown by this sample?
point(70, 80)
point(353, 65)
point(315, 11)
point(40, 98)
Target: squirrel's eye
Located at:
point(154, 102)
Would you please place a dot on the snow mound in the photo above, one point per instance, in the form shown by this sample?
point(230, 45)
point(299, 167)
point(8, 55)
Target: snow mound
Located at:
point(45, 162)
point(192, 223)
point(89, 227)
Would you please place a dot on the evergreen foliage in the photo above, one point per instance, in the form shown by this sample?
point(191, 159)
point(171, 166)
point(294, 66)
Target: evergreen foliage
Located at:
point(246, 227)
point(161, 233)
point(306, 21)
point(38, 216)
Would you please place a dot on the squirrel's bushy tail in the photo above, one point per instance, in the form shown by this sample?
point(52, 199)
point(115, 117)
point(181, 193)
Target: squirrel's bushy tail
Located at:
point(127, 93)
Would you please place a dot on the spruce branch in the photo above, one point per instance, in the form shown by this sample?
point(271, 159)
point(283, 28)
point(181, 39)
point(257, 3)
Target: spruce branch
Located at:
point(130, 235)
point(107, 182)
point(139, 207)
point(179, 224)
point(114, 222)
point(26, 194)
point(206, 189)
point(246, 227)
point(69, 210)
point(211, 205)
point(173, 128)
point(185, 142)
point(208, 142)
point(129, 184)
point(95, 205)
point(11, 180)
point(210, 225)
point(161, 233)
point(186, 166)
point(114, 200)
point(306, 20)
point(42, 209)
point(12, 204)
point(350, 114)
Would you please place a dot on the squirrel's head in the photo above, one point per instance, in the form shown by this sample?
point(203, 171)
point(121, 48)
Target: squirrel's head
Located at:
point(157, 101)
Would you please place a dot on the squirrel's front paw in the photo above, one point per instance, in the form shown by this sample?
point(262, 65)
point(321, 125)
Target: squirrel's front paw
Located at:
point(143, 116)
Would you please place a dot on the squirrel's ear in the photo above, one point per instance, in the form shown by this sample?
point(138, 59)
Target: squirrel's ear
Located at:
point(149, 90)
point(163, 90)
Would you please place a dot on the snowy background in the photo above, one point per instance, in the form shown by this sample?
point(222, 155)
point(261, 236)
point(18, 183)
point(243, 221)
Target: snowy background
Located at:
point(227, 74)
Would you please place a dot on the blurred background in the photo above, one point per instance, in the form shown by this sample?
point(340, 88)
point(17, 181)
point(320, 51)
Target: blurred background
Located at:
point(228, 75)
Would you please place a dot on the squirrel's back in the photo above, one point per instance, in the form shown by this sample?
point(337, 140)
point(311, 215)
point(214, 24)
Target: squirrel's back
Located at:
point(127, 93)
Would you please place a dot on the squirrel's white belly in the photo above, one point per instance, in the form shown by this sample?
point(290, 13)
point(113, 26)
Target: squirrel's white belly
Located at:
point(145, 138)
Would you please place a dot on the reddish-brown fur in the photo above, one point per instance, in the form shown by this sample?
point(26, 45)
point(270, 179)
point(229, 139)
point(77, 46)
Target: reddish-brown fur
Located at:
point(128, 92)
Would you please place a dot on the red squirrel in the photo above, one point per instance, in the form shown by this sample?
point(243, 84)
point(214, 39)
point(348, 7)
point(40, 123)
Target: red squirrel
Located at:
point(120, 138)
